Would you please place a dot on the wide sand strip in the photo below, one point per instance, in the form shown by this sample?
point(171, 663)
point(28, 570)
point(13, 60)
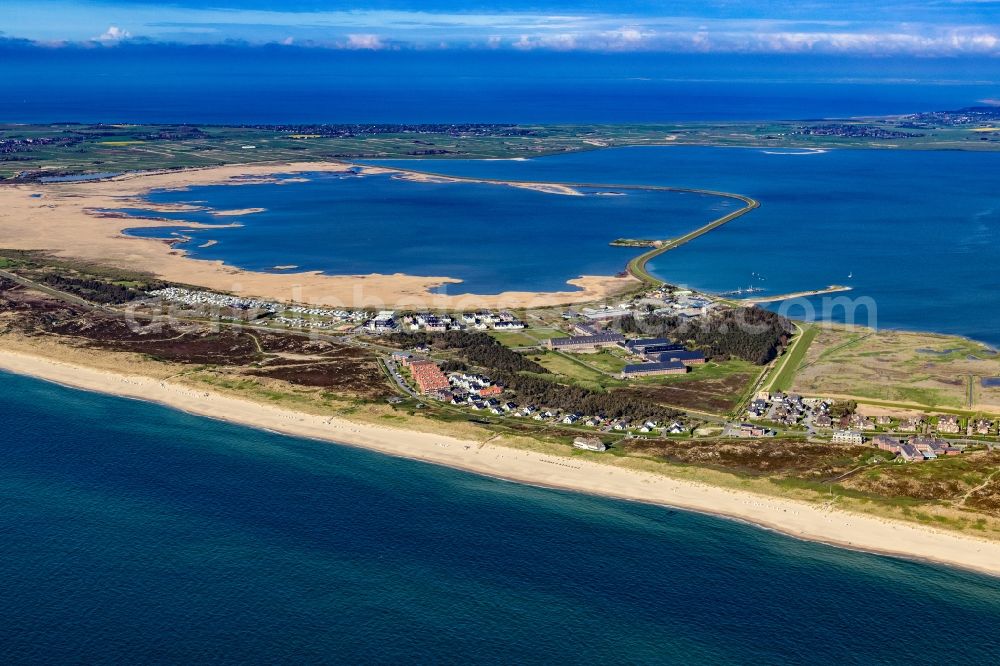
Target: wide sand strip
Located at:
point(64, 219)
point(795, 518)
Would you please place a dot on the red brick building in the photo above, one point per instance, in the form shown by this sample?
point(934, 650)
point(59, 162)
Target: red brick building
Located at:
point(428, 376)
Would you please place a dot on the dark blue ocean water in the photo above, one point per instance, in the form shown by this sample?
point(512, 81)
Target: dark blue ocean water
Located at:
point(131, 533)
point(225, 85)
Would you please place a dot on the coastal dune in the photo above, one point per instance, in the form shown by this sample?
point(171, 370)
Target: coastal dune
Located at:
point(798, 519)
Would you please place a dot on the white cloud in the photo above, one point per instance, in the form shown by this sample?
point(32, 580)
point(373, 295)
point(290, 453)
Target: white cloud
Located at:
point(364, 41)
point(627, 38)
point(941, 42)
point(964, 32)
point(113, 35)
point(554, 42)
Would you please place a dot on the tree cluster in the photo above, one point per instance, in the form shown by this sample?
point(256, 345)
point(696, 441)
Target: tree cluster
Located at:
point(475, 348)
point(842, 408)
point(612, 404)
point(96, 291)
point(749, 333)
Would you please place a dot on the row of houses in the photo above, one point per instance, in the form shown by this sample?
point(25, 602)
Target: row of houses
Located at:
point(475, 384)
point(477, 402)
point(482, 320)
point(226, 306)
point(354, 316)
point(915, 449)
point(498, 406)
point(864, 422)
point(948, 424)
point(195, 298)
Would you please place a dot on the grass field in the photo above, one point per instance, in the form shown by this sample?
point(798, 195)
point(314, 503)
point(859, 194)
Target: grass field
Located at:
point(790, 363)
point(514, 338)
point(714, 388)
point(576, 371)
point(609, 362)
point(919, 370)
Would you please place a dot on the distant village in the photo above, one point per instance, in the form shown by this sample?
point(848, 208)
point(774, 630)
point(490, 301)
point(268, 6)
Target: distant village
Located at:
point(239, 309)
point(683, 304)
point(910, 439)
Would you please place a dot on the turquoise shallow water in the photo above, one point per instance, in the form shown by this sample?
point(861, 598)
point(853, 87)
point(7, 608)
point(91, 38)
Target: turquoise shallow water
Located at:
point(131, 533)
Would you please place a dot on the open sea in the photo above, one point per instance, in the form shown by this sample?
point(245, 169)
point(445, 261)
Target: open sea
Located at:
point(227, 85)
point(914, 233)
point(133, 533)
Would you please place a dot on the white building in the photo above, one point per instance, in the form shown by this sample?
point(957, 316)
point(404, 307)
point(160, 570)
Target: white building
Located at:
point(848, 437)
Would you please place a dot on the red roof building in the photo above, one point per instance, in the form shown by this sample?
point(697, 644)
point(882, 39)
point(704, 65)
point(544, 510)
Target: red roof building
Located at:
point(428, 376)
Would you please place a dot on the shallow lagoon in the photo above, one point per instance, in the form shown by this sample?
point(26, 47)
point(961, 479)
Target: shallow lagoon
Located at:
point(493, 237)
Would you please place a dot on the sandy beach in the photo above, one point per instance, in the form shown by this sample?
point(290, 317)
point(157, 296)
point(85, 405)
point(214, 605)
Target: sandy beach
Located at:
point(798, 519)
point(64, 219)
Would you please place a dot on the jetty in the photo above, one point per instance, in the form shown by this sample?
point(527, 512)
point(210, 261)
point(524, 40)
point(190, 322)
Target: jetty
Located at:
point(637, 267)
point(832, 289)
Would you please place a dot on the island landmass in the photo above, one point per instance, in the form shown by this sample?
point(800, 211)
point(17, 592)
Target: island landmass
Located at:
point(627, 387)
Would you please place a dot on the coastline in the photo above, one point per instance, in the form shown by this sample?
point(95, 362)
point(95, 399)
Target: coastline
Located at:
point(71, 221)
point(577, 473)
point(66, 221)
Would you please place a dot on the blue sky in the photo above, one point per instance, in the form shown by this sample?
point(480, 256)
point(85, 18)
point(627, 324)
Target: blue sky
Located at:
point(920, 28)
